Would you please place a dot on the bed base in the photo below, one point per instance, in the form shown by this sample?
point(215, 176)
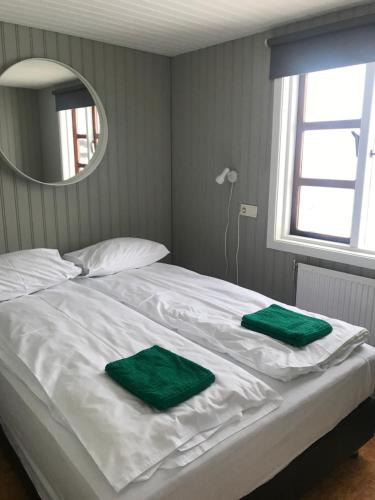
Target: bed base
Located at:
point(321, 457)
point(314, 463)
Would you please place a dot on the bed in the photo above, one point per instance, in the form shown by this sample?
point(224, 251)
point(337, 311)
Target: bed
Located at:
point(280, 429)
point(234, 468)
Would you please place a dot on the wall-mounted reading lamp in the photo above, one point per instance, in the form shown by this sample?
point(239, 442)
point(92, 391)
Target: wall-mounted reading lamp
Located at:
point(231, 176)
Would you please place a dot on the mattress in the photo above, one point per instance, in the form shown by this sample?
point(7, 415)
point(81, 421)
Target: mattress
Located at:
point(312, 406)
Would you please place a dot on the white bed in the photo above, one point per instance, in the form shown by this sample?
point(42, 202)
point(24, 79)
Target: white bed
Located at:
point(312, 406)
point(226, 441)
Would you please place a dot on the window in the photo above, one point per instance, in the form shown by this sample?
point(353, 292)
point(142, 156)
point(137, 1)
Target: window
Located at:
point(322, 195)
point(79, 137)
point(85, 135)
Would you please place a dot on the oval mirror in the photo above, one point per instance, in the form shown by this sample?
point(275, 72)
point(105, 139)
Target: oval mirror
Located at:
point(53, 127)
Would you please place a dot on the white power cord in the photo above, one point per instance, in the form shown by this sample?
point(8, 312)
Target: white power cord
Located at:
point(226, 230)
point(238, 246)
point(231, 176)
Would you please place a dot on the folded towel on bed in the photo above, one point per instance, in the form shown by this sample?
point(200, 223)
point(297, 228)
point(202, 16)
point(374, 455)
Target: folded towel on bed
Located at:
point(288, 326)
point(159, 377)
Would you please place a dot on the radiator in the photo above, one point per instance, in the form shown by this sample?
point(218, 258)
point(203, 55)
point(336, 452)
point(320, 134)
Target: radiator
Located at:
point(337, 295)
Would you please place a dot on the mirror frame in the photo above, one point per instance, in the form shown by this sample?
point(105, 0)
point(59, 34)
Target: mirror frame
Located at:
point(102, 146)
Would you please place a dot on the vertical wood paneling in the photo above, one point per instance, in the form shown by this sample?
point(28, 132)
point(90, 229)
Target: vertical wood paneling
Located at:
point(129, 193)
point(80, 191)
point(9, 53)
point(130, 139)
point(111, 106)
point(92, 186)
point(121, 150)
point(222, 116)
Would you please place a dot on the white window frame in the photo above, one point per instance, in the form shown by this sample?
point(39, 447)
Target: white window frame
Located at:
point(66, 144)
point(281, 181)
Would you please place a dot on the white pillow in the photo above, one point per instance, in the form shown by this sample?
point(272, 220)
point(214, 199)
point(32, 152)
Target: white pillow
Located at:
point(28, 271)
point(117, 254)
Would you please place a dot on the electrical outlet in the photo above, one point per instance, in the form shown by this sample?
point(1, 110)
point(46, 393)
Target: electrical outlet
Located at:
point(248, 210)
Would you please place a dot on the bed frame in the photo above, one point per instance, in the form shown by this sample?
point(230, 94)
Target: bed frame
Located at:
point(321, 457)
point(314, 463)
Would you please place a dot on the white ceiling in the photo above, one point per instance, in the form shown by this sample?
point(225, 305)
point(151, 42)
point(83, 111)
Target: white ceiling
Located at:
point(168, 27)
point(36, 74)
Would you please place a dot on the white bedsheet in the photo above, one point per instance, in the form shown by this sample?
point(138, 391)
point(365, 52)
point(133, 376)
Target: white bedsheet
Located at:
point(61, 339)
point(209, 311)
point(312, 405)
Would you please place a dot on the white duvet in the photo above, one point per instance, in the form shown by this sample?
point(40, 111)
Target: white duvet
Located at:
point(209, 311)
point(66, 335)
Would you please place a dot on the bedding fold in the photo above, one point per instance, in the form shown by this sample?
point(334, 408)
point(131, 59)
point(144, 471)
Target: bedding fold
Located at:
point(160, 377)
point(287, 326)
point(208, 311)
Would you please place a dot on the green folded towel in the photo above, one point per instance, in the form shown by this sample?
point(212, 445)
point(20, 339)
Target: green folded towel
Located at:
point(288, 326)
point(159, 377)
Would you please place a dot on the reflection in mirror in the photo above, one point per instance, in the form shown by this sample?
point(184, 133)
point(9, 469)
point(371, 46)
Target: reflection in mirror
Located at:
point(49, 122)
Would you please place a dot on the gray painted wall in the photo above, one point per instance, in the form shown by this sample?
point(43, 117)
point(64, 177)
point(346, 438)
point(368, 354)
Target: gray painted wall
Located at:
point(129, 193)
point(222, 109)
point(19, 129)
point(222, 115)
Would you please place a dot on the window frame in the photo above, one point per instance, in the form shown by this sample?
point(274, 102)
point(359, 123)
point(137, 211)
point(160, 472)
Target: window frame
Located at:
point(284, 127)
point(298, 181)
point(78, 166)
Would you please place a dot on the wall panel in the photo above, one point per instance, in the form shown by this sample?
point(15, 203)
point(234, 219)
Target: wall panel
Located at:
point(129, 193)
point(222, 116)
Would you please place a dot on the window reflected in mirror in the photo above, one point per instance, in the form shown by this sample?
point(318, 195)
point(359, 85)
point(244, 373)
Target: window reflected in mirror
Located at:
point(79, 137)
point(50, 127)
